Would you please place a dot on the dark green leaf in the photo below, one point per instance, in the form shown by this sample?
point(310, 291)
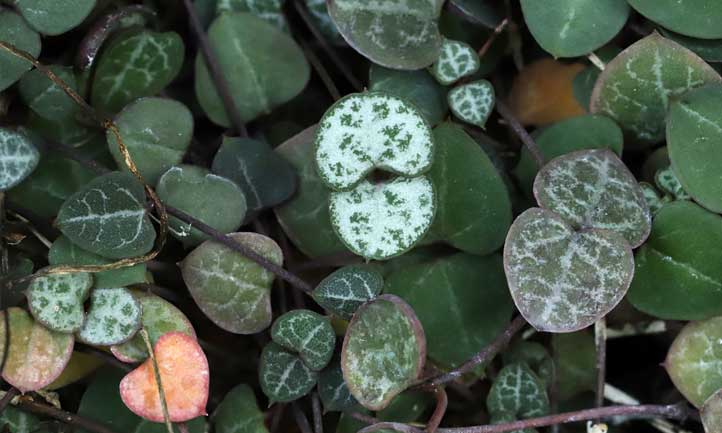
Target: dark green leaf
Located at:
point(45, 97)
point(518, 391)
point(308, 333)
point(14, 30)
point(333, 390)
point(698, 18)
point(284, 377)
point(239, 413)
point(52, 17)
point(346, 289)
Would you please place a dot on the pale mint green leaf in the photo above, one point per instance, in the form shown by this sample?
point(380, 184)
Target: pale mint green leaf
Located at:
point(652, 197)
point(694, 136)
point(346, 289)
point(564, 280)
point(518, 390)
point(156, 132)
point(259, 82)
point(232, 290)
point(417, 87)
point(712, 413)
point(473, 206)
point(18, 421)
point(383, 352)
point(108, 217)
point(457, 60)
point(694, 361)
point(307, 333)
point(64, 252)
point(698, 18)
point(56, 300)
point(371, 130)
point(114, 316)
point(472, 102)
point(594, 189)
point(573, 28)
point(269, 10)
point(239, 413)
point(18, 157)
point(396, 34)
point(333, 390)
point(46, 98)
point(136, 65)
point(158, 317)
point(384, 220)
point(212, 199)
point(636, 87)
point(668, 182)
point(462, 302)
point(305, 218)
point(284, 377)
point(52, 17)
point(264, 176)
point(14, 30)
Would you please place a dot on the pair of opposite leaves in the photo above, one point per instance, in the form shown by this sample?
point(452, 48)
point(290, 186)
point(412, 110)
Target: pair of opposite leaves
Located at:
point(569, 261)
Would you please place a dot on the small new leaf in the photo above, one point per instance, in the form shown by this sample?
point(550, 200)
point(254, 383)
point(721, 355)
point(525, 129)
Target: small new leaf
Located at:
point(307, 333)
point(518, 390)
point(346, 289)
point(18, 158)
point(472, 102)
point(457, 60)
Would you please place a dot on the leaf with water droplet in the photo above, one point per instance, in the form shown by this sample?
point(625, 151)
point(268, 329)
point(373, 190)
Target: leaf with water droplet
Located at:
point(384, 351)
point(284, 376)
point(472, 102)
point(56, 300)
point(564, 280)
point(108, 217)
point(346, 289)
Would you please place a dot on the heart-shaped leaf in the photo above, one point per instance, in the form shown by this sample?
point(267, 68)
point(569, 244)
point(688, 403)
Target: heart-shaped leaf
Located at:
point(694, 135)
point(346, 289)
point(264, 176)
point(333, 390)
point(36, 355)
point(472, 102)
point(232, 290)
point(668, 182)
point(535, 355)
point(385, 220)
point(135, 65)
point(259, 81)
point(308, 333)
point(383, 351)
point(711, 413)
point(694, 358)
point(517, 390)
point(636, 87)
point(269, 10)
point(564, 280)
point(156, 131)
point(417, 87)
point(457, 60)
point(210, 198)
point(696, 18)
point(54, 180)
point(462, 302)
point(56, 300)
point(393, 33)
point(158, 318)
point(283, 375)
point(473, 211)
point(239, 413)
point(64, 252)
point(51, 17)
point(108, 217)
point(18, 157)
point(680, 258)
point(304, 218)
point(589, 131)
point(14, 30)
point(183, 370)
point(371, 130)
point(594, 189)
point(114, 317)
point(572, 28)
point(45, 97)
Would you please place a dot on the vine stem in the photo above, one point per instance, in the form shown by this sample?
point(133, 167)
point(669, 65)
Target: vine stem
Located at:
point(442, 402)
point(214, 68)
point(317, 415)
point(29, 405)
point(7, 398)
point(483, 355)
point(600, 341)
point(156, 373)
point(677, 411)
point(301, 419)
point(519, 130)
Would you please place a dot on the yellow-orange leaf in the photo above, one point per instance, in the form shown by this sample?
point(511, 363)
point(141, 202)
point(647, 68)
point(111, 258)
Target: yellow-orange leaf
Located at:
point(183, 373)
point(542, 92)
